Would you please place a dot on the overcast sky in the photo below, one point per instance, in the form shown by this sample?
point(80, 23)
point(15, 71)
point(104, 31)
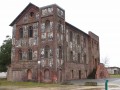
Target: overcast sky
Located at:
point(99, 16)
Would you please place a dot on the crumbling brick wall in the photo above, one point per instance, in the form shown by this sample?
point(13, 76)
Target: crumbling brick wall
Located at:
point(101, 72)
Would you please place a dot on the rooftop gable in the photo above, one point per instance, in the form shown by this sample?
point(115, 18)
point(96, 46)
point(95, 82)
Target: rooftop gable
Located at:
point(17, 18)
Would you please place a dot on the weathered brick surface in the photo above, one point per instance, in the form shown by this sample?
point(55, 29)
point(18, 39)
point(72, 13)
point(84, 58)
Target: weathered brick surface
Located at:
point(63, 51)
point(101, 71)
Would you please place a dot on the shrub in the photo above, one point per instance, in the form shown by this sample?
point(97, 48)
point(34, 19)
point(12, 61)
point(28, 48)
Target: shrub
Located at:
point(90, 83)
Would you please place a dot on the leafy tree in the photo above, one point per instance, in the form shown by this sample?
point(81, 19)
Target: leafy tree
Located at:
point(5, 54)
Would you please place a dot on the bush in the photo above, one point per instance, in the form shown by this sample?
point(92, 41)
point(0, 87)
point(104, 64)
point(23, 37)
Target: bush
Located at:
point(90, 83)
point(66, 83)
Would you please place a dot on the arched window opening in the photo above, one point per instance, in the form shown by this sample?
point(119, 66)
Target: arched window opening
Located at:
point(78, 39)
point(47, 51)
point(30, 31)
point(59, 26)
point(21, 33)
point(84, 41)
point(71, 36)
point(84, 58)
point(31, 14)
point(20, 54)
point(47, 25)
point(29, 54)
point(71, 55)
point(79, 57)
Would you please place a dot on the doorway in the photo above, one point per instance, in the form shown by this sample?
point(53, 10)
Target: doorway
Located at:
point(79, 74)
point(59, 75)
point(29, 74)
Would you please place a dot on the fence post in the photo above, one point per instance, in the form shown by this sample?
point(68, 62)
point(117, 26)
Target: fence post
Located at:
point(106, 85)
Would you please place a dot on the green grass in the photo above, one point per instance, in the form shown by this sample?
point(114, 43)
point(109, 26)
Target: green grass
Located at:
point(4, 82)
point(115, 76)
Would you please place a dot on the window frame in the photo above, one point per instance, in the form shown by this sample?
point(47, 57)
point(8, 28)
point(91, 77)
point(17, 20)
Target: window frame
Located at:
point(30, 53)
point(30, 32)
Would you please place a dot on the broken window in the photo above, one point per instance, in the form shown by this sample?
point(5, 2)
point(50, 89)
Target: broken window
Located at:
point(30, 31)
point(60, 52)
point(59, 26)
point(78, 39)
point(20, 54)
point(71, 36)
point(21, 33)
point(37, 16)
point(46, 51)
point(71, 55)
point(31, 14)
point(84, 58)
point(79, 57)
point(29, 54)
point(84, 41)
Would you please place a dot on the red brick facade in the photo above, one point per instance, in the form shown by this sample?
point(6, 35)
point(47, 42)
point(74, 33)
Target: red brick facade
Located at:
point(48, 49)
point(101, 72)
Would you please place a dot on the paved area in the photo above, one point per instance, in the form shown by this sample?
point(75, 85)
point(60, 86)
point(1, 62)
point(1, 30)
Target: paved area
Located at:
point(111, 81)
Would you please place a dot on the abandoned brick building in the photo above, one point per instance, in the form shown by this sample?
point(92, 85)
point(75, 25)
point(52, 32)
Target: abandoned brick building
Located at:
point(46, 48)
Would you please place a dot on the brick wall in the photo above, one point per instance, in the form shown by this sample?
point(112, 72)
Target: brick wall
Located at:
point(101, 72)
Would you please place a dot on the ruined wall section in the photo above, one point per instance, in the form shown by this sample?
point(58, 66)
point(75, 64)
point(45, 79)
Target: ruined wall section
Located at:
point(77, 58)
point(46, 45)
point(51, 40)
point(94, 51)
point(60, 42)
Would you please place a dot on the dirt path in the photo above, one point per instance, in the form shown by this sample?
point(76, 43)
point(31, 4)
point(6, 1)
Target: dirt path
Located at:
point(68, 87)
point(73, 87)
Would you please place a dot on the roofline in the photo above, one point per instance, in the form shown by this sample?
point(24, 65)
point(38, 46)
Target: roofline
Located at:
point(114, 67)
point(76, 28)
point(51, 5)
point(21, 13)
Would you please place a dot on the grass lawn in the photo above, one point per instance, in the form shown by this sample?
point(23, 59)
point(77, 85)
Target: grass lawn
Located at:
point(115, 76)
point(4, 82)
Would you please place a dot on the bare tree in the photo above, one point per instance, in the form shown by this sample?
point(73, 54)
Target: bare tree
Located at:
point(105, 61)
